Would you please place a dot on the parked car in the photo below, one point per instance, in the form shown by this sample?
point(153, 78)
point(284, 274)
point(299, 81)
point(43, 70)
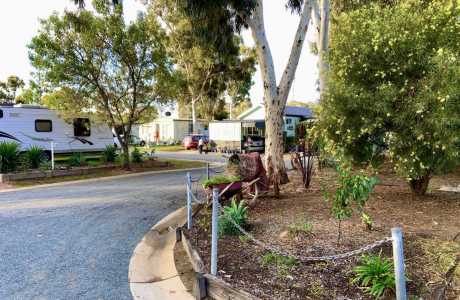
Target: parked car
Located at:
point(253, 143)
point(133, 140)
point(136, 141)
point(191, 141)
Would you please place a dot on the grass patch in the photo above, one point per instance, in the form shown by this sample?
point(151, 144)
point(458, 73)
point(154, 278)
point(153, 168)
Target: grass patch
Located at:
point(219, 180)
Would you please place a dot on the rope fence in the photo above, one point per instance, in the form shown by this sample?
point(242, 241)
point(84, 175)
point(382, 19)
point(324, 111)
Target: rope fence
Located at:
point(217, 210)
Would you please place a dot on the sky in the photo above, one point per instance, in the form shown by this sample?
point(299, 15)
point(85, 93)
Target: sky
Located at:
point(19, 22)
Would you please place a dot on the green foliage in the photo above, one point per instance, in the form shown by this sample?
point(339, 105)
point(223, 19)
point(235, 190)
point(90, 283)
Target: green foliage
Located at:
point(206, 73)
point(136, 156)
point(9, 156)
point(238, 212)
point(351, 195)
point(116, 71)
point(109, 154)
point(10, 87)
point(219, 180)
point(77, 159)
point(395, 84)
point(282, 263)
point(375, 274)
point(34, 157)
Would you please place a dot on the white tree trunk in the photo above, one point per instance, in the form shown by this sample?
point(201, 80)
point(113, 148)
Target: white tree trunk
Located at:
point(321, 20)
point(275, 97)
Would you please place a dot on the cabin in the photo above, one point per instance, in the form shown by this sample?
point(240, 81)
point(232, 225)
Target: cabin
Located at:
point(293, 115)
point(34, 125)
point(170, 130)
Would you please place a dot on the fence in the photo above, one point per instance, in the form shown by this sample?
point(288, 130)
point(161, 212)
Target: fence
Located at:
point(396, 240)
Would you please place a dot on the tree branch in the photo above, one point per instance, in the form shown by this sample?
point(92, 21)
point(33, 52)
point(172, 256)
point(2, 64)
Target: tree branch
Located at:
point(289, 72)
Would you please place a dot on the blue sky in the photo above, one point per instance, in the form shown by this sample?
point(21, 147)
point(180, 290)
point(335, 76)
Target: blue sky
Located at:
point(19, 21)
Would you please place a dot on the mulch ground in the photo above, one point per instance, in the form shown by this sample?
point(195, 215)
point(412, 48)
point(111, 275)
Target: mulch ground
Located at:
point(429, 224)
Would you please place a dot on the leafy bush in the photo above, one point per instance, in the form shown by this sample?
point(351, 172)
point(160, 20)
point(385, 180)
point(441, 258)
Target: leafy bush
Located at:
point(220, 179)
point(375, 274)
point(395, 87)
point(351, 194)
point(136, 156)
point(109, 154)
point(238, 212)
point(9, 156)
point(77, 159)
point(34, 157)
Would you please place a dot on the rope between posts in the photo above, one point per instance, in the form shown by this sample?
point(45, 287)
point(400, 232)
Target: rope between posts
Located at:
point(271, 248)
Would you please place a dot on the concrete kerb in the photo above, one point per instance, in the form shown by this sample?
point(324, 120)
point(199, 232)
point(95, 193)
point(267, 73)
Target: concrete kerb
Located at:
point(152, 272)
point(100, 179)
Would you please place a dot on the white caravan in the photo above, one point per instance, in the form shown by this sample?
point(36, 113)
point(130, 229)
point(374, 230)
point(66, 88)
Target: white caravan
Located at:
point(32, 125)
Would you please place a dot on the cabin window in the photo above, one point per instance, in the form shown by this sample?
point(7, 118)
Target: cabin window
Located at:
point(81, 127)
point(43, 125)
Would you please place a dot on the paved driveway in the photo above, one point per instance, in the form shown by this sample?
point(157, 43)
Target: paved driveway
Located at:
point(74, 241)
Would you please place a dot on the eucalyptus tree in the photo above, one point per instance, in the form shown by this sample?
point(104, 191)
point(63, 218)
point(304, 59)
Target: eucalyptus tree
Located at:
point(211, 17)
point(115, 71)
point(208, 73)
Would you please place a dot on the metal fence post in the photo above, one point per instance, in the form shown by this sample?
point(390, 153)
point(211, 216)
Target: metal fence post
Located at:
point(398, 258)
point(189, 201)
point(207, 170)
point(214, 231)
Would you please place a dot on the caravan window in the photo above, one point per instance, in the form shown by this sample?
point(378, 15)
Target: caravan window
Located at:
point(81, 127)
point(1, 113)
point(43, 126)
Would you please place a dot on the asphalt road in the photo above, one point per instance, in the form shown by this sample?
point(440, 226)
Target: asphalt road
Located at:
point(211, 157)
point(74, 241)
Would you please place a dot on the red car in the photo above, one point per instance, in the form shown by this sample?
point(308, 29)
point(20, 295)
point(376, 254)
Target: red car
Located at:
point(191, 141)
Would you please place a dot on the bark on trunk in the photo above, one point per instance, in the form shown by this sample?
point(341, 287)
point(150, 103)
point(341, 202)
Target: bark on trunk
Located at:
point(419, 186)
point(125, 154)
point(275, 97)
point(321, 21)
point(324, 46)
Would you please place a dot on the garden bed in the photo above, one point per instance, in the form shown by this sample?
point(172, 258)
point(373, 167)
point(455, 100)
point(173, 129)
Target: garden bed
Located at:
point(37, 177)
point(301, 223)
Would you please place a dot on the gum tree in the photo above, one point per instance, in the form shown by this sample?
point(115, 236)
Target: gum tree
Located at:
point(207, 72)
point(110, 69)
point(395, 88)
point(211, 17)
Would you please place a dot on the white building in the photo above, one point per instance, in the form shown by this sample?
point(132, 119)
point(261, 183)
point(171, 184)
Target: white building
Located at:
point(293, 115)
point(170, 130)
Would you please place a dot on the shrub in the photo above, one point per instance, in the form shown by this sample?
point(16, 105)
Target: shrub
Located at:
point(136, 156)
point(109, 154)
point(375, 274)
point(238, 212)
point(219, 180)
point(395, 87)
point(9, 156)
point(77, 159)
point(34, 157)
point(351, 194)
